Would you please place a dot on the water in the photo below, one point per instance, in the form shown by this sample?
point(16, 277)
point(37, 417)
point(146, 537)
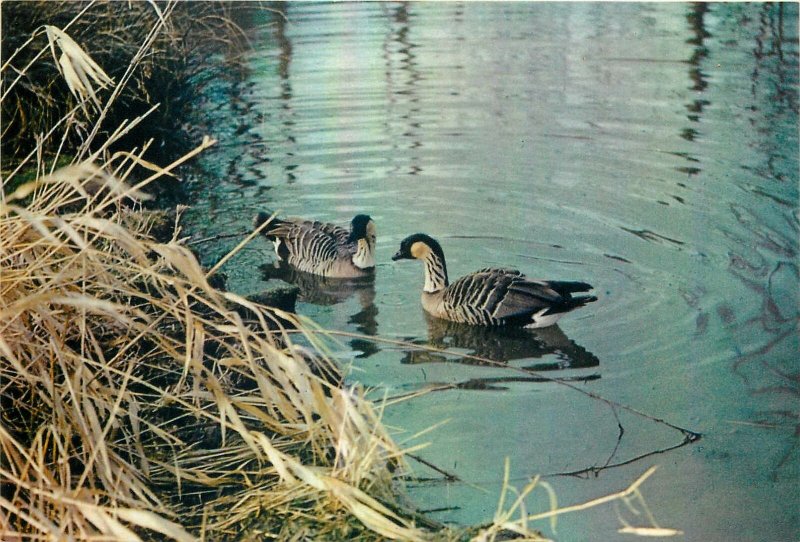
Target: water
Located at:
point(649, 149)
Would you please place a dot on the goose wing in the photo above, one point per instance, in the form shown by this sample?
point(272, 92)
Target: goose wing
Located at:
point(341, 235)
point(561, 287)
point(524, 296)
point(500, 270)
point(308, 240)
point(500, 293)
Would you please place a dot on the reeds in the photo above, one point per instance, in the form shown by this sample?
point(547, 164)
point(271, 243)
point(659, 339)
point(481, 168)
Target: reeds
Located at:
point(137, 401)
point(135, 395)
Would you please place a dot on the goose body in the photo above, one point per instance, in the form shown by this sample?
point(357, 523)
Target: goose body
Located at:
point(321, 248)
point(492, 296)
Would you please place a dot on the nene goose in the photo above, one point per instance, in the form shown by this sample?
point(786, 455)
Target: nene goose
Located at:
point(321, 248)
point(491, 296)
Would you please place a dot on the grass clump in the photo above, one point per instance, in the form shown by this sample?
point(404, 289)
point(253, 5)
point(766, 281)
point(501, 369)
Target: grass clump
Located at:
point(135, 396)
point(137, 402)
point(142, 54)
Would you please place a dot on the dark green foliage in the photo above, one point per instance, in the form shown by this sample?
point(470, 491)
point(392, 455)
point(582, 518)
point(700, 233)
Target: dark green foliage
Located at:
point(112, 33)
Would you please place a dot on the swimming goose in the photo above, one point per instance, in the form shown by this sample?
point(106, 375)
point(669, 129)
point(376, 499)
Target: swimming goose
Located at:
point(321, 248)
point(491, 296)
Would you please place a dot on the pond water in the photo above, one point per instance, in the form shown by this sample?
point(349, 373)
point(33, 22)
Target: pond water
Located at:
point(649, 149)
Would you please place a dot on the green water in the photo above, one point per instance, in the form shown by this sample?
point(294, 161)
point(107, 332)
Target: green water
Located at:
point(649, 149)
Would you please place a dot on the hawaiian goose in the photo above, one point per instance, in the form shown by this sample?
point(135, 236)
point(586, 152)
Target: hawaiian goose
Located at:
point(321, 248)
point(491, 296)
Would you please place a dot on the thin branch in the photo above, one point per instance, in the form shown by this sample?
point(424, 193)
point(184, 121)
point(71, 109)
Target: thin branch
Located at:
point(689, 436)
point(595, 470)
point(217, 237)
point(448, 476)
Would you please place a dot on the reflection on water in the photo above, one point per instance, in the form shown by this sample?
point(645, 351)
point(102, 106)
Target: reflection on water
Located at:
point(650, 149)
point(285, 107)
point(501, 345)
point(402, 80)
point(320, 290)
point(695, 17)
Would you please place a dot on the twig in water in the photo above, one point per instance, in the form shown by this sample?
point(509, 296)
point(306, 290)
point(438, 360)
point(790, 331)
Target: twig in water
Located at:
point(218, 237)
point(449, 477)
point(689, 436)
point(688, 439)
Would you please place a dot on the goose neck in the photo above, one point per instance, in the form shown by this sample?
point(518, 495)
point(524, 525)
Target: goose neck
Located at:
point(435, 273)
point(364, 257)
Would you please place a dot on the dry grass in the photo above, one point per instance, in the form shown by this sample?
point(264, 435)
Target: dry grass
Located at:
point(137, 402)
point(147, 53)
point(135, 395)
point(136, 399)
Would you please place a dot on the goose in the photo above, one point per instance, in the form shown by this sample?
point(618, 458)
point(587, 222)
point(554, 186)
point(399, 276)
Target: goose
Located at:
point(321, 248)
point(490, 296)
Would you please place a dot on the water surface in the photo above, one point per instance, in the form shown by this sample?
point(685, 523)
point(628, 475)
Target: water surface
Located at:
point(649, 149)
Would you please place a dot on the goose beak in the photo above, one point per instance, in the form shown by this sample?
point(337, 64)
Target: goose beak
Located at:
point(398, 256)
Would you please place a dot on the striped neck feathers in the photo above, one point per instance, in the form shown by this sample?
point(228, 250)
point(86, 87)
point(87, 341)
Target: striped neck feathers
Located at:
point(435, 266)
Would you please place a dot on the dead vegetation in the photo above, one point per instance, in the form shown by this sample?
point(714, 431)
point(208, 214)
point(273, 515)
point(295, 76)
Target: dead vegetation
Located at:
point(135, 396)
point(141, 54)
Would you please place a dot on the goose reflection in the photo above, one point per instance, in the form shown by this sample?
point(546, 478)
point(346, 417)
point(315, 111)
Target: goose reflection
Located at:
point(327, 291)
point(502, 345)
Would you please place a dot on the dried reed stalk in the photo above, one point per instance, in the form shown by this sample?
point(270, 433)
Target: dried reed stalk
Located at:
point(130, 382)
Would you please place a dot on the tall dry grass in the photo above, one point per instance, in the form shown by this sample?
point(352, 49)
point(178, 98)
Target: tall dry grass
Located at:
point(135, 395)
point(148, 53)
point(136, 399)
point(137, 402)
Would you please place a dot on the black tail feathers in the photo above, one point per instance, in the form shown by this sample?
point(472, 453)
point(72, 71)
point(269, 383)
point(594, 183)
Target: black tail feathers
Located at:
point(569, 303)
point(564, 287)
point(582, 300)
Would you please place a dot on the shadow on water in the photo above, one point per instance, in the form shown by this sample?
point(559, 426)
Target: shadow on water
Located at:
point(496, 347)
point(326, 291)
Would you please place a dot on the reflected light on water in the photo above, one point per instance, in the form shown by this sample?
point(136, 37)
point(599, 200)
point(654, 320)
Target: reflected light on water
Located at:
point(650, 149)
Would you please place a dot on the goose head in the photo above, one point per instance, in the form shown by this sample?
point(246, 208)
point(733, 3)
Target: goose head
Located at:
point(362, 234)
point(418, 247)
point(424, 247)
point(362, 227)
